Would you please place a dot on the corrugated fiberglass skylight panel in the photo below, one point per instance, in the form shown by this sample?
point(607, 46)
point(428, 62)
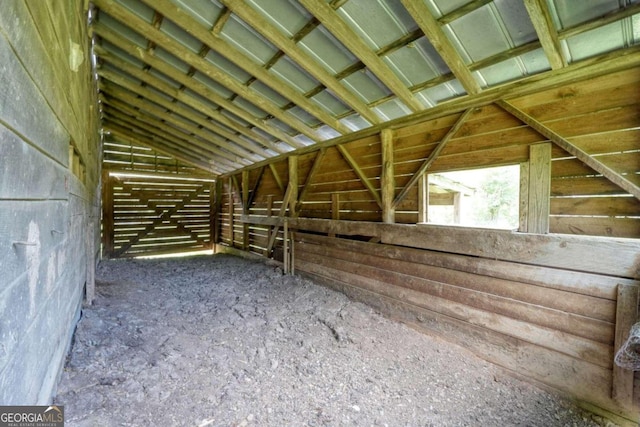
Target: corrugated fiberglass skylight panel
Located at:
point(327, 51)
point(238, 34)
point(416, 63)
point(366, 85)
point(227, 66)
point(206, 12)
point(378, 22)
point(187, 40)
point(289, 71)
point(287, 15)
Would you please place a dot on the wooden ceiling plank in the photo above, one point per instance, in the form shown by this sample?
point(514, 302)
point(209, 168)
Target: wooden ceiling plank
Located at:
point(432, 157)
point(363, 178)
point(155, 132)
point(286, 45)
point(547, 34)
point(170, 71)
point(123, 133)
point(336, 25)
point(164, 129)
point(149, 95)
point(179, 16)
point(461, 11)
point(572, 149)
point(138, 25)
point(439, 40)
point(148, 79)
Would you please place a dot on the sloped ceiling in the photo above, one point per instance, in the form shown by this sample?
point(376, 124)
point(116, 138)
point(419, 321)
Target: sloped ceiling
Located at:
point(224, 84)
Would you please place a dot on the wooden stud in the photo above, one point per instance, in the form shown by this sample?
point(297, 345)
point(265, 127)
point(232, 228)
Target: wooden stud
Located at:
point(231, 212)
point(423, 198)
point(387, 184)
point(245, 209)
point(293, 183)
point(539, 188)
point(523, 211)
point(626, 317)
point(107, 214)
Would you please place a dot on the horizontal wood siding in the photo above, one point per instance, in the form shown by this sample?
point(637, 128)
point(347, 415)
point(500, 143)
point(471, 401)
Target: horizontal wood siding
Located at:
point(522, 317)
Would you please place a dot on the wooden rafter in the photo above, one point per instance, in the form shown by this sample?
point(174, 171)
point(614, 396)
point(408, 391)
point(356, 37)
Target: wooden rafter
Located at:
point(432, 157)
point(184, 112)
point(233, 139)
point(546, 30)
point(172, 46)
point(162, 147)
point(289, 47)
point(197, 87)
point(462, 11)
point(164, 132)
point(332, 21)
point(421, 14)
point(572, 149)
point(150, 114)
point(182, 19)
point(363, 178)
point(147, 112)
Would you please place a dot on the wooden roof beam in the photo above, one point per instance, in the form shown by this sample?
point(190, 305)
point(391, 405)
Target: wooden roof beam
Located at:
point(336, 25)
point(164, 133)
point(249, 148)
point(431, 28)
point(140, 26)
point(546, 30)
point(184, 20)
point(117, 107)
point(462, 11)
point(286, 45)
point(151, 96)
point(168, 150)
point(198, 87)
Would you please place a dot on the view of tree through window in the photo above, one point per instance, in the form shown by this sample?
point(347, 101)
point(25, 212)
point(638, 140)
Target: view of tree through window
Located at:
point(477, 198)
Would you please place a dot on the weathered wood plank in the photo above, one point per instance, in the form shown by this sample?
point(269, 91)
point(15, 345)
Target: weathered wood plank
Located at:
point(626, 317)
point(539, 188)
point(610, 227)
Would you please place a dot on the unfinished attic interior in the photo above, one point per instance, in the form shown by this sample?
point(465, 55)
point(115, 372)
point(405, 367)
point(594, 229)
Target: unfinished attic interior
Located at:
point(332, 139)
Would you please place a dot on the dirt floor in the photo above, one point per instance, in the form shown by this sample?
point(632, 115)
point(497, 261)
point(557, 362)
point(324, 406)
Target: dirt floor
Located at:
point(224, 341)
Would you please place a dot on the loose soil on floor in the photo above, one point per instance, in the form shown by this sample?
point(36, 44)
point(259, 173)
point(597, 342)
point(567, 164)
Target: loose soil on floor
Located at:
point(225, 341)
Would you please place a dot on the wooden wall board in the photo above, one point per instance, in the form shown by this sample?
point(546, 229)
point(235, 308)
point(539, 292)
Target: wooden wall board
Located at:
point(609, 142)
point(581, 379)
point(484, 158)
point(603, 206)
point(584, 186)
point(462, 288)
point(612, 119)
point(611, 227)
point(365, 277)
point(583, 294)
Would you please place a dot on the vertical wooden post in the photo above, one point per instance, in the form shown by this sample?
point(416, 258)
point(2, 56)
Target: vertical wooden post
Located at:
point(387, 178)
point(423, 198)
point(293, 183)
point(215, 193)
point(90, 287)
point(269, 213)
point(335, 209)
point(524, 198)
point(231, 211)
point(539, 188)
point(285, 254)
point(107, 215)
point(245, 209)
point(626, 316)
